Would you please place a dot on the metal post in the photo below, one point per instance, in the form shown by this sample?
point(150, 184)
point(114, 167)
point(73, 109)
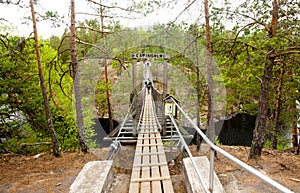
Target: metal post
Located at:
point(165, 90)
point(171, 142)
point(134, 124)
point(133, 73)
point(171, 146)
point(190, 155)
point(165, 78)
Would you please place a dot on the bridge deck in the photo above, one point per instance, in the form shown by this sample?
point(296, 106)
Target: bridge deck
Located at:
point(150, 171)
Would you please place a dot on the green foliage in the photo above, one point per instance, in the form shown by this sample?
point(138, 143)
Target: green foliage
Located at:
point(18, 144)
point(240, 54)
point(243, 53)
point(101, 102)
point(17, 76)
point(21, 102)
point(283, 143)
point(218, 141)
point(89, 123)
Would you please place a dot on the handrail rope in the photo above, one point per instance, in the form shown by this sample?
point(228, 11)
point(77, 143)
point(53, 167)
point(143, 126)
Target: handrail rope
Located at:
point(156, 89)
point(124, 121)
point(141, 90)
point(234, 159)
point(116, 145)
point(142, 111)
point(153, 102)
point(126, 117)
point(154, 107)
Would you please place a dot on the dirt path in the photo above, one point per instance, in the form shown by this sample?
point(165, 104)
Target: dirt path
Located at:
point(47, 174)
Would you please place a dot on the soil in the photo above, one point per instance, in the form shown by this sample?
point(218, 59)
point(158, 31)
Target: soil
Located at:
point(45, 173)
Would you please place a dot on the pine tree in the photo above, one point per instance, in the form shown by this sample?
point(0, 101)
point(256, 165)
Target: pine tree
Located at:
point(76, 79)
point(42, 83)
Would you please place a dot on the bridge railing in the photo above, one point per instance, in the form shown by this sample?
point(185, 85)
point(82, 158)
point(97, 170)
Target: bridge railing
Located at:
point(115, 146)
point(143, 91)
point(185, 146)
point(213, 149)
point(154, 109)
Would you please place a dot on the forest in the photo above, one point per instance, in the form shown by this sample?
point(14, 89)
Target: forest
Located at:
point(254, 44)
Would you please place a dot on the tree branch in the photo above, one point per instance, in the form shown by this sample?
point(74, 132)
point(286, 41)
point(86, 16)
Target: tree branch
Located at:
point(89, 44)
point(188, 6)
point(36, 144)
point(105, 16)
point(288, 53)
point(92, 29)
point(238, 33)
point(60, 84)
point(112, 7)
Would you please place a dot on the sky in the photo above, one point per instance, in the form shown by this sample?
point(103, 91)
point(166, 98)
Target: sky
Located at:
point(15, 16)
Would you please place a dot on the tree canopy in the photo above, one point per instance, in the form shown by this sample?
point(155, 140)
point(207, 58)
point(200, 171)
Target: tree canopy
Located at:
point(242, 38)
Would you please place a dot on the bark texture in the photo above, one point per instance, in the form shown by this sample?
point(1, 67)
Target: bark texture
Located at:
point(76, 79)
point(295, 142)
point(278, 109)
point(260, 124)
point(198, 137)
point(210, 115)
point(55, 145)
point(110, 117)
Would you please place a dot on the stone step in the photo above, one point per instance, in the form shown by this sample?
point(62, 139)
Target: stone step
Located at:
point(192, 181)
point(96, 177)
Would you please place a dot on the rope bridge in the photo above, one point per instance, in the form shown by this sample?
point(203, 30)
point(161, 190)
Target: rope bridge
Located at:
point(150, 171)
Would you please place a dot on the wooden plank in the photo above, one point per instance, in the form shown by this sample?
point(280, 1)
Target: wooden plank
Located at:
point(156, 185)
point(167, 185)
point(150, 168)
point(134, 187)
point(150, 137)
point(152, 179)
point(151, 153)
point(150, 164)
point(148, 145)
point(145, 186)
point(149, 132)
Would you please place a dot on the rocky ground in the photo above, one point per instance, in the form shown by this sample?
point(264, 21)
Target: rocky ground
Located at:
point(45, 173)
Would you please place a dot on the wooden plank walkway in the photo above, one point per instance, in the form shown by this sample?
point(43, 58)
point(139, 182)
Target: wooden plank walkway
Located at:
point(150, 173)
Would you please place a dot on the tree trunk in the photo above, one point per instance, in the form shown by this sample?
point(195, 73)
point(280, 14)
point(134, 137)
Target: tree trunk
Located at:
point(260, 124)
point(210, 115)
point(55, 145)
point(76, 80)
point(198, 137)
point(278, 108)
point(110, 118)
point(298, 147)
point(294, 130)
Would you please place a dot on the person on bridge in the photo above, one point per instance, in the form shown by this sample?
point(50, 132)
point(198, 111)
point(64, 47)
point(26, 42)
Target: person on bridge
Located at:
point(148, 85)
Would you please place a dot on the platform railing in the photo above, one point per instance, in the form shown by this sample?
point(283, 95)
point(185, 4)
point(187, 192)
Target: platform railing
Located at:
point(154, 110)
point(135, 129)
point(115, 146)
point(189, 154)
point(213, 149)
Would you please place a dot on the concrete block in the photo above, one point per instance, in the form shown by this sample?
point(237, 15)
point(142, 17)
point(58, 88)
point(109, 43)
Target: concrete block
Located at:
point(192, 181)
point(95, 177)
